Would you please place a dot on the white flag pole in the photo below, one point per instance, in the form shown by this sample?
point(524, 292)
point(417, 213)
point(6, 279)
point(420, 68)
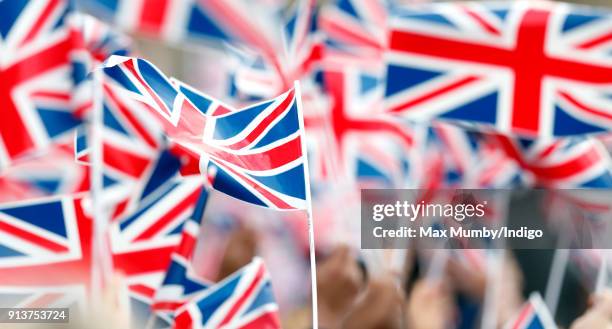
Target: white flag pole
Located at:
point(602, 275)
point(311, 240)
point(557, 270)
point(101, 259)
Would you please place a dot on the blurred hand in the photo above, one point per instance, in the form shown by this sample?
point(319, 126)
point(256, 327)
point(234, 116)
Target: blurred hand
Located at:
point(430, 306)
point(466, 279)
point(599, 316)
point(240, 250)
point(380, 307)
point(510, 298)
point(472, 282)
point(339, 281)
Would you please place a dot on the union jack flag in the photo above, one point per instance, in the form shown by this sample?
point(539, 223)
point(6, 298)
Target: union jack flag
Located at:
point(471, 160)
point(348, 132)
point(211, 20)
point(134, 161)
point(143, 240)
point(574, 162)
point(99, 39)
point(50, 235)
point(181, 282)
point(356, 25)
point(35, 93)
point(96, 42)
point(261, 76)
point(533, 69)
point(242, 300)
point(533, 315)
point(50, 172)
point(254, 154)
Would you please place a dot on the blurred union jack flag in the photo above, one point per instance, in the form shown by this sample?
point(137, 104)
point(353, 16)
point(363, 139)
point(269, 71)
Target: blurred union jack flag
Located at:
point(573, 162)
point(35, 93)
point(356, 24)
point(348, 132)
point(533, 315)
point(211, 20)
point(242, 300)
point(181, 281)
point(143, 240)
point(534, 69)
point(254, 154)
point(57, 244)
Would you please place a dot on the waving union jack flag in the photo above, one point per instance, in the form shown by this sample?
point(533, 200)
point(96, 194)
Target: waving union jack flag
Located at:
point(51, 236)
point(35, 92)
point(254, 154)
point(534, 69)
point(242, 300)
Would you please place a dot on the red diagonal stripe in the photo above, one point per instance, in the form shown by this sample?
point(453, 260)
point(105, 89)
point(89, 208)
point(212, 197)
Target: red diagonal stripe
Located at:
point(269, 319)
point(125, 161)
point(169, 216)
point(32, 238)
point(595, 42)
point(523, 316)
point(143, 290)
point(14, 132)
point(129, 116)
point(333, 27)
point(578, 164)
point(583, 107)
point(487, 26)
point(262, 190)
point(259, 276)
point(273, 158)
point(434, 93)
point(265, 123)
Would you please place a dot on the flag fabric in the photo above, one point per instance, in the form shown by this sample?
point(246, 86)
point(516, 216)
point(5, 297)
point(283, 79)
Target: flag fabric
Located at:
point(568, 162)
point(348, 132)
point(242, 300)
point(143, 238)
point(534, 314)
point(57, 244)
point(213, 20)
point(52, 171)
point(531, 69)
point(469, 159)
point(181, 282)
point(254, 154)
point(440, 95)
point(130, 142)
point(96, 41)
point(356, 25)
point(259, 76)
point(35, 94)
